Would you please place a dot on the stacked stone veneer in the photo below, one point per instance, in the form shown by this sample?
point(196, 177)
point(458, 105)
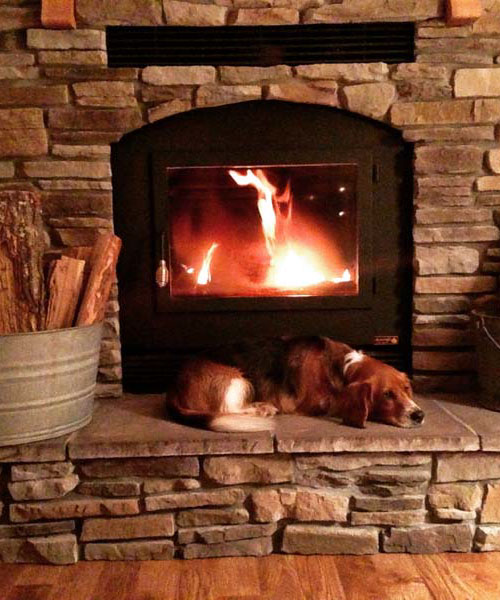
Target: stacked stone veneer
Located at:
point(61, 107)
point(60, 511)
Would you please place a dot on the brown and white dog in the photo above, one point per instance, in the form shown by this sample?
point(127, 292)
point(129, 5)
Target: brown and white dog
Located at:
point(239, 390)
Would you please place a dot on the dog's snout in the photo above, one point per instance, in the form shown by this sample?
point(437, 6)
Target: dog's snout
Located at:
point(417, 416)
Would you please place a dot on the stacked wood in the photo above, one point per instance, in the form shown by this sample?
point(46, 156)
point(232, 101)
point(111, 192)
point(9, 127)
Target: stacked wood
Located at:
point(65, 286)
point(22, 245)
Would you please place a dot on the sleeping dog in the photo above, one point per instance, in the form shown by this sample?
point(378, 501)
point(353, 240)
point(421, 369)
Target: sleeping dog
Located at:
point(241, 387)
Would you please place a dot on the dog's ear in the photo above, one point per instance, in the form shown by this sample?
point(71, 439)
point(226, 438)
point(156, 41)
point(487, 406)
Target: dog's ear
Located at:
point(357, 403)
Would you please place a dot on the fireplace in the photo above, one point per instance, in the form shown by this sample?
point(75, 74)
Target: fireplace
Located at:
point(272, 219)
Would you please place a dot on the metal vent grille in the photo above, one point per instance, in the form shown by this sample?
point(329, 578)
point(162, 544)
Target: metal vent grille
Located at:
point(261, 46)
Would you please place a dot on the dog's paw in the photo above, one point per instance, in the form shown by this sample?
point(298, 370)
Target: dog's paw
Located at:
point(262, 409)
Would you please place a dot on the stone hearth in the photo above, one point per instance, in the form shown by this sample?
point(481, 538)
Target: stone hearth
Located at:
point(133, 486)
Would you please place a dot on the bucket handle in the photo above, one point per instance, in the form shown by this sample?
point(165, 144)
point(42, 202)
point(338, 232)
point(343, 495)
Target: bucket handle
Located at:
point(488, 334)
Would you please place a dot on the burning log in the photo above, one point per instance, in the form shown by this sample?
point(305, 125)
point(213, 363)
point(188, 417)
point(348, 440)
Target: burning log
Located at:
point(22, 245)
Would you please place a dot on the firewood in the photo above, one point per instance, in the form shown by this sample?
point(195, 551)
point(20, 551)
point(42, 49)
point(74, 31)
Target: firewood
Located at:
point(22, 244)
point(65, 285)
point(81, 253)
point(462, 12)
point(102, 275)
point(58, 14)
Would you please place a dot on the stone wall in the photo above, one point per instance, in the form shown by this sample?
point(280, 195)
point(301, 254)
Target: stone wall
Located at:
point(61, 107)
point(60, 511)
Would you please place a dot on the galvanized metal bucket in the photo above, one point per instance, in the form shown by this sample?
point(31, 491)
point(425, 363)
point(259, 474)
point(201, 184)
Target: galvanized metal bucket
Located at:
point(488, 358)
point(47, 382)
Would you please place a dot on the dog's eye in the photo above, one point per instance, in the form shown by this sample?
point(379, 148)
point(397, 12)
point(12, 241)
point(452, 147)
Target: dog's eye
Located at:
point(388, 394)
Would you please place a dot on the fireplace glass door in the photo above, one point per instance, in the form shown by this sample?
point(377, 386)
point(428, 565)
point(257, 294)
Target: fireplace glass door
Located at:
point(262, 231)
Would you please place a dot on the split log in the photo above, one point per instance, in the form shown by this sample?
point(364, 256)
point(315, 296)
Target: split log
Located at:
point(81, 253)
point(22, 244)
point(102, 275)
point(65, 285)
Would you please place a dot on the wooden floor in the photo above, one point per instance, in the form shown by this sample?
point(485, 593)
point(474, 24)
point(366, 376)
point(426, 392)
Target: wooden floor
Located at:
point(380, 577)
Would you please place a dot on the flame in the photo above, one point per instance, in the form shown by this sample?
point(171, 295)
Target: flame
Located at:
point(346, 276)
point(204, 276)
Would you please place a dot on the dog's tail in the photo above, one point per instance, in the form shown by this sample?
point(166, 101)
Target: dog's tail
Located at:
point(229, 423)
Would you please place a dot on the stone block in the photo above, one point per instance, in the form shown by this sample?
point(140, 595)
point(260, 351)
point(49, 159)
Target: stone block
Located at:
point(401, 518)
point(403, 475)
point(345, 73)
point(252, 547)
point(23, 142)
point(302, 504)
point(91, 73)
point(468, 467)
point(18, 17)
point(168, 108)
point(186, 13)
point(224, 533)
point(72, 507)
point(72, 57)
point(348, 462)
point(202, 517)
point(36, 529)
point(215, 95)
point(267, 16)
point(142, 526)
point(103, 88)
point(21, 118)
point(7, 169)
point(191, 499)
point(442, 304)
point(125, 12)
point(374, 10)
point(377, 504)
point(489, 183)
point(444, 361)
point(429, 539)
point(487, 110)
point(444, 112)
point(64, 168)
point(28, 472)
point(459, 233)
point(461, 496)
point(441, 336)
point(370, 99)
point(392, 490)
point(158, 486)
point(119, 119)
point(487, 538)
point(165, 466)
point(110, 489)
point(448, 159)
point(81, 151)
point(140, 550)
point(249, 469)
point(55, 550)
point(477, 82)
point(17, 59)
point(311, 92)
point(454, 514)
point(78, 39)
point(446, 259)
point(249, 75)
point(35, 95)
point(429, 216)
point(322, 539)
point(164, 93)
point(43, 489)
point(451, 134)
point(442, 320)
point(491, 507)
point(179, 75)
point(15, 72)
point(78, 203)
point(472, 284)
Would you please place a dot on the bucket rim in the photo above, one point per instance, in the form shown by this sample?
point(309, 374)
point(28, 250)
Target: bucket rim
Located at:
point(53, 331)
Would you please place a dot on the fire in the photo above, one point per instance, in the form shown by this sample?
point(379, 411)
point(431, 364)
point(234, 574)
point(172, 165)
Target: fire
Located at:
point(292, 266)
point(204, 276)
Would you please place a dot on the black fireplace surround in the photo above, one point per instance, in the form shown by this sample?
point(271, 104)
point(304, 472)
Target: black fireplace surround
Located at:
point(158, 329)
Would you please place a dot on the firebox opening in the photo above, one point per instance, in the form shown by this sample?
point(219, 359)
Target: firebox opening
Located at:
point(252, 231)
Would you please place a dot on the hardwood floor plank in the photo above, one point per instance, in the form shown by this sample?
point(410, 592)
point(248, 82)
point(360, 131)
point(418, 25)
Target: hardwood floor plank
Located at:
point(9, 575)
point(30, 592)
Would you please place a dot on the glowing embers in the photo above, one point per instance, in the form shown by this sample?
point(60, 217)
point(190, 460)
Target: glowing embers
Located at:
point(263, 231)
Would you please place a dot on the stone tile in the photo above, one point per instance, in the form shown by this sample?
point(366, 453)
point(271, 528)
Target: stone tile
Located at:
point(322, 539)
point(33, 95)
point(143, 550)
point(192, 75)
point(197, 498)
point(55, 549)
point(35, 529)
point(43, 489)
point(261, 75)
point(460, 496)
point(485, 423)
point(346, 73)
point(158, 486)
point(71, 507)
point(491, 508)
point(47, 451)
point(244, 469)
point(142, 526)
point(252, 547)
point(110, 489)
point(83, 39)
point(72, 57)
point(376, 504)
point(136, 426)
point(350, 462)
point(440, 431)
point(389, 517)
point(187, 466)
point(487, 538)
point(224, 533)
point(370, 99)
point(41, 471)
point(267, 16)
point(201, 517)
point(125, 12)
point(429, 539)
point(187, 13)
